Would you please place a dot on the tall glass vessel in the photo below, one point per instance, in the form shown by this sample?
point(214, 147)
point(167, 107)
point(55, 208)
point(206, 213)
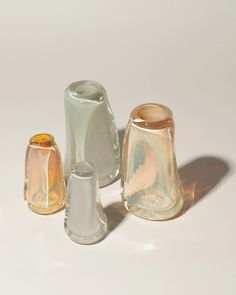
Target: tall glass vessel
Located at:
point(91, 132)
point(44, 182)
point(151, 186)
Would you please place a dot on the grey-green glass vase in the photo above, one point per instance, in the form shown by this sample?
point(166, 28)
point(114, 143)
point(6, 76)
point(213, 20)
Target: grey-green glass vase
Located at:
point(91, 132)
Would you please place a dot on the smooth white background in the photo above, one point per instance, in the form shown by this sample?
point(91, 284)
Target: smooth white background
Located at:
point(179, 53)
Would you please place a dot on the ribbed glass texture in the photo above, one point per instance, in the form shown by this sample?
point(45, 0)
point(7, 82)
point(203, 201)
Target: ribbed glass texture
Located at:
point(44, 182)
point(85, 221)
point(151, 186)
point(91, 132)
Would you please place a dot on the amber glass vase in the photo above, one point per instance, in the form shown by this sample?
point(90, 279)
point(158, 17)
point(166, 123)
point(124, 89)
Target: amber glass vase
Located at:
point(151, 186)
point(44, 182)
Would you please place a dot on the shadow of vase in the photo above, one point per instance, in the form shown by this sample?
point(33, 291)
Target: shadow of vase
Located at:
point(121, 134)
point(199, 177)
point(115, 213)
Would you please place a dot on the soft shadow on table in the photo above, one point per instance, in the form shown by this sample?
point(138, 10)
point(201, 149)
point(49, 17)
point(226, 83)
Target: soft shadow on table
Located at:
point(199, 177)
point(116, 213)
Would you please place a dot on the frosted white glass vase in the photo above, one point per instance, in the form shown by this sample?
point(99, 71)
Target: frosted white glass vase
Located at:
point(85, 221)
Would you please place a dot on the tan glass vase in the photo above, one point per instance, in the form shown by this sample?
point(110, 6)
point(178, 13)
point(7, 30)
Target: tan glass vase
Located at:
point(44, 182)
point(151, 186)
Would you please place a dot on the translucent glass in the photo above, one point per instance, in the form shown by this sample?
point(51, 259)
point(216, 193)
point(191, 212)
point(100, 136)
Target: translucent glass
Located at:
point(91, 133)
point(151, 186)
point(44, 182)
point(85, 221)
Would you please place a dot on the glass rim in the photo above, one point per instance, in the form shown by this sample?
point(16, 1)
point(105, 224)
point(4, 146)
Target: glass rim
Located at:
point(42, 140)
point(86, 89)
point(151, 115)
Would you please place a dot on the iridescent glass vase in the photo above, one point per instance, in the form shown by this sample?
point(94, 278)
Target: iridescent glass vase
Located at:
point(151, 186)
point(85, 221)
point(91, 132)
point(44, 181)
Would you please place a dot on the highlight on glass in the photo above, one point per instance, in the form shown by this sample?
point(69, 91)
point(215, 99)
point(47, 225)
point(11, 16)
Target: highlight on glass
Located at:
point(151, 187)
point(44, 189)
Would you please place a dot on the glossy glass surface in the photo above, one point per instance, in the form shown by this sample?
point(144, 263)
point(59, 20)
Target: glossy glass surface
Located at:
point(151, 186)
point(85, 221)
point(44, 182)
point(91, 133)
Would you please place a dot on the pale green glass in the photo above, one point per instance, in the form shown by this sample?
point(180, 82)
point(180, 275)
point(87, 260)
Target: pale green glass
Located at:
point(91, 132)
point(151, 186)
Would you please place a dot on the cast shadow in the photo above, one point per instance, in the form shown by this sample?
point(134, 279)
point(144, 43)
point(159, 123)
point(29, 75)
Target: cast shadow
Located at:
point(199, 177)
point(116, 213)
point(121, 134)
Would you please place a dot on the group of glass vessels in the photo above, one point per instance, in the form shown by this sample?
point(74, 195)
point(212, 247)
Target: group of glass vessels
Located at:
point(151, 186)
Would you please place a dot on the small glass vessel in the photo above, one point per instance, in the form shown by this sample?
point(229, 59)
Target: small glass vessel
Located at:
point(151, 186)
point(85, 221)
point(91, 132)
point(44, 189)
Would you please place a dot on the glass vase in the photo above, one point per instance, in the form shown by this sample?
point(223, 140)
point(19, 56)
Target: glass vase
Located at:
point(85, 221)
point(151, 186)
point(44, 182)
point(91, 132)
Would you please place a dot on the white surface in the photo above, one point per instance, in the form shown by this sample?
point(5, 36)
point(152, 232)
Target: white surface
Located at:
point(180, 53)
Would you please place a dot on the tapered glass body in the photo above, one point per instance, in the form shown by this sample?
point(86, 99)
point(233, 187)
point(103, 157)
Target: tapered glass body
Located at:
point(85, 220)
point(151, 186)
point(44, 182)
point(91, 133)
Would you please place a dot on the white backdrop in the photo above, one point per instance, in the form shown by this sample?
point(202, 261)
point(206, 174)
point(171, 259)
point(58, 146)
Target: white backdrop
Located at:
point(178, 53)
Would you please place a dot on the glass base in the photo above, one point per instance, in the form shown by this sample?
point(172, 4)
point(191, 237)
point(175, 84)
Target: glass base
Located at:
point(87, 240)
point(104, 181)
point(47, 211)
point(154, 214)
point(109, 179)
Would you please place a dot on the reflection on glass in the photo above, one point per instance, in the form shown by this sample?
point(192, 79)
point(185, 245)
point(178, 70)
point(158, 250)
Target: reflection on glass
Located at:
point(151, 186)
point(91, 133)
point(85, 221)
point(44, 182)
